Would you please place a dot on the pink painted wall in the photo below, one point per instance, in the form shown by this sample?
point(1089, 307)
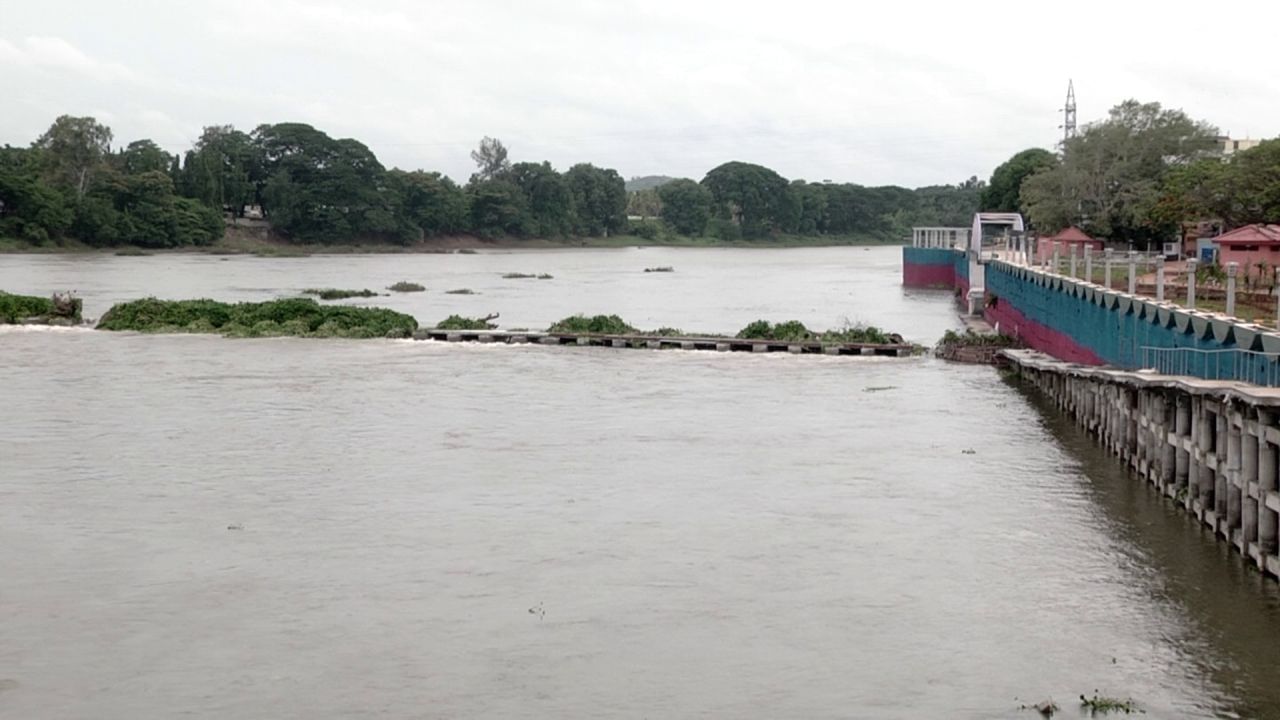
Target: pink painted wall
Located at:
point(1269, 254)
point(928, 275)
point(1037, 336)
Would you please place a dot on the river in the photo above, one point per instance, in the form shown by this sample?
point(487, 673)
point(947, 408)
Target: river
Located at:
point(209, 528)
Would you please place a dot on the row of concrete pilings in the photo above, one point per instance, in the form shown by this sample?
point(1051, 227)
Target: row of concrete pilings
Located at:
point(1212, 447)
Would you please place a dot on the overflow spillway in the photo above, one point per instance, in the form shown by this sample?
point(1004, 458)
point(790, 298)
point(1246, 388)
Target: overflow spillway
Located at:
point(649, 342)
point(1210, 446)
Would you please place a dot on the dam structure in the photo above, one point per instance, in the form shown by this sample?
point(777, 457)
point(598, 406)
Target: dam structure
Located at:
point(1188, 400)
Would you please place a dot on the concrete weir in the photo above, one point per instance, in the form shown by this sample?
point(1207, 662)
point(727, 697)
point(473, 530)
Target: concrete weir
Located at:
point(717, 344)
point(1211, 446)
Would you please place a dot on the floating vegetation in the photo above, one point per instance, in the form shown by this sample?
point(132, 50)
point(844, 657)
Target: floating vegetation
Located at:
point(546, 276)
point(795, 331)
point(133, 252)
point(336, 294)
point(58, 309)
point(1046, 708)
point(595, 325)
point(969, 338)
point(667, 332)
point(465, 251)
point(518, 276)
point(295, 317)
point(405, 286)
point(879, 388)
point(663, 268)
point(458, 322)
point(461, 291)
point(1102, 705)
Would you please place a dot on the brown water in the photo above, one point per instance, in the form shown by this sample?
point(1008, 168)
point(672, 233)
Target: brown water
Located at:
point(696, 535)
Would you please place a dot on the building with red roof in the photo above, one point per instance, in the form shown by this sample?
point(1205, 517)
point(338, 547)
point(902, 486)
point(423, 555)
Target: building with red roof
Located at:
point(1250, 245)
point(1071, 236)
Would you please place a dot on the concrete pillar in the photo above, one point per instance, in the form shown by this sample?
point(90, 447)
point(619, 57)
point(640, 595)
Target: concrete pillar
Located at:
point(1107, 255)
point(1277, 291)
point(1088, 264)
point(1075, 247)
point(1232, 269)
point(1231, 504)
point(1160, 281)
point(1133, 272)
point(1057, 253)
point(1191, 283)
point(1268, 454)
point(1249, 480)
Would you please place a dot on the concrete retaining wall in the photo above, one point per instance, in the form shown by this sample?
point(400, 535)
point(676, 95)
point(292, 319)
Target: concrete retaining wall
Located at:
point(934, 268)
point(1211, 447)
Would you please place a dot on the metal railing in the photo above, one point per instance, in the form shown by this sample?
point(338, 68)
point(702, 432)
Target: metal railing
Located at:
point(1251, 366)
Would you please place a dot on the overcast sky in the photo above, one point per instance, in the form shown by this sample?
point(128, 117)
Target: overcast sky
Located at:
point(901, 92)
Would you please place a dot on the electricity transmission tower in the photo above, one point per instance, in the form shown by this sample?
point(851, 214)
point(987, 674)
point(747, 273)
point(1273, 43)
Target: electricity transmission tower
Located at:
point(1068, 125)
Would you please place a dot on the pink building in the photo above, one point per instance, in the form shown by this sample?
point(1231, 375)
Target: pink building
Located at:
point(1249, 246)
point(1071, 236)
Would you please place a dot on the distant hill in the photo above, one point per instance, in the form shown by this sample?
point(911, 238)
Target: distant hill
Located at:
point(647, 182)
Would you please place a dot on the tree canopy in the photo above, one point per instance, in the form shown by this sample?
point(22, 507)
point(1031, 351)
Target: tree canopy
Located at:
point(1110, 178)
point(1002, 193)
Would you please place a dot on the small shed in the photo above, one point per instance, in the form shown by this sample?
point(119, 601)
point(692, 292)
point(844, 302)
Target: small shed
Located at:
point(1071, 236)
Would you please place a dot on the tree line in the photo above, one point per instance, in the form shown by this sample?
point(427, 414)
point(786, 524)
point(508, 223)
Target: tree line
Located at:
point(1140, 176)
point(312, 188)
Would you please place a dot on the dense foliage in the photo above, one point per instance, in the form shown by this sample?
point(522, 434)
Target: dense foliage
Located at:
point(313, 188)
point(299, 317)
point(1110, 178)
point(458, 322)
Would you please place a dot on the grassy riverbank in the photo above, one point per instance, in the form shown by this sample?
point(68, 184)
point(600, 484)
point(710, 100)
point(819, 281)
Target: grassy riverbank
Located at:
point(250, 245)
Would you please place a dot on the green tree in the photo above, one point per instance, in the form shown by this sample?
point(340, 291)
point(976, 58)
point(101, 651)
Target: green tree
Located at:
point(498, 207)
point(142, 156)
point(1002, 193)
point(431, 202)
point(1248, 191)
point(686, 206)
point(491, 159)
point(318, 189)
point(75, 148)
point(811, 201)
point(547, 197)
point(29, 209)
point(751, 196)
point(224, 169)
point(1111, 175)
point(599, 200)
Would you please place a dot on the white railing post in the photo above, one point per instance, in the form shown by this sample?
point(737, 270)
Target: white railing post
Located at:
point(1106, 265)
point(1088, 263)
point(1075, 247)
point(1133, 272)
point(1160, 281)
point(1191, 283)
point(1232, 269)
point(1057, 255)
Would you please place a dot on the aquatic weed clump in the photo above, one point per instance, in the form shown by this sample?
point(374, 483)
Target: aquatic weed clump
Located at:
point(795, 331)
point(458, 322)
point(295, 317)
point(337, 294)
point(406, 286)
point(56, 310)
point(594, 325)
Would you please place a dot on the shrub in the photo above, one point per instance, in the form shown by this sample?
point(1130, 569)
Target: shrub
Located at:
point(458, 322)
point(404, 286)
point(15, 309)
point(460, 291)
point(336, 294)
point(595, 325)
